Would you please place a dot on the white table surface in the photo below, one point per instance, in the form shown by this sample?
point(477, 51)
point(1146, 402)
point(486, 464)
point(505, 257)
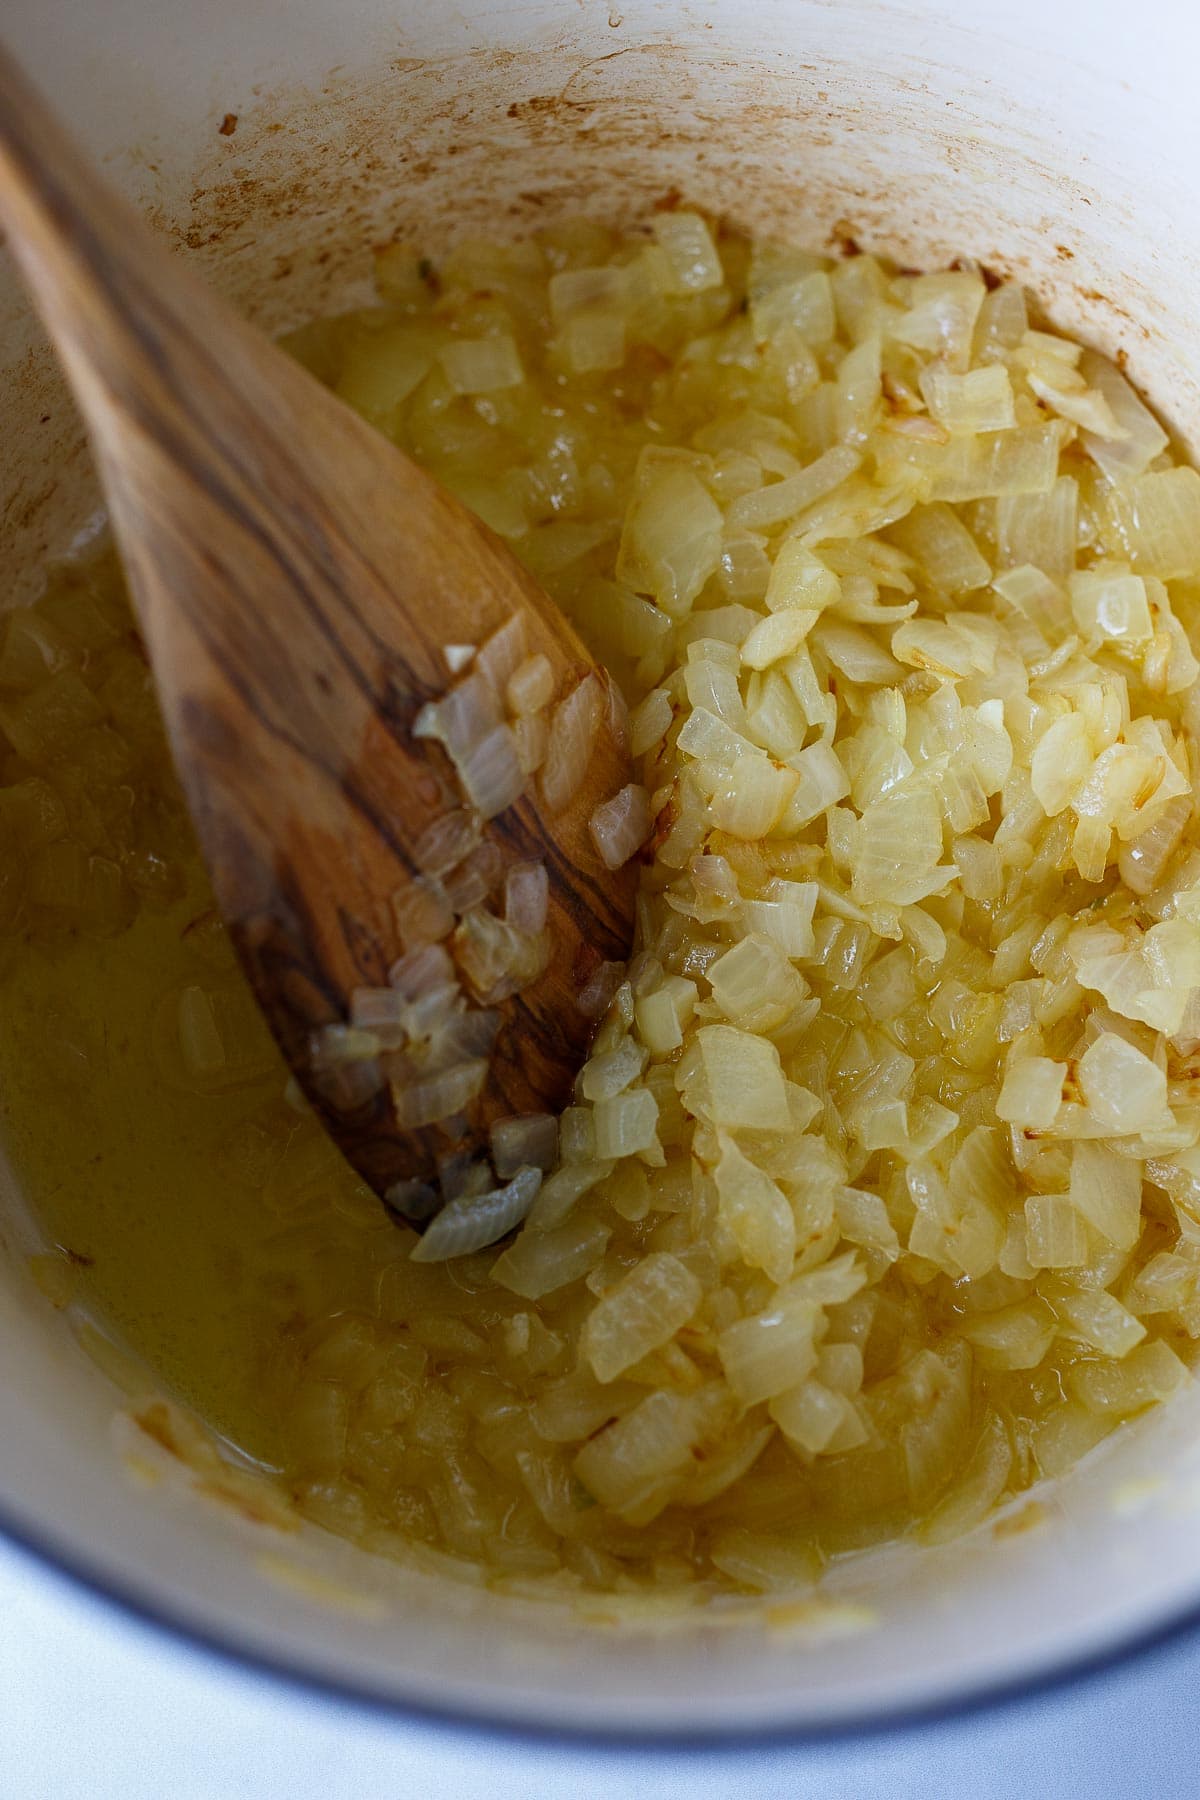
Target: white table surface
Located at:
point(95, 1706)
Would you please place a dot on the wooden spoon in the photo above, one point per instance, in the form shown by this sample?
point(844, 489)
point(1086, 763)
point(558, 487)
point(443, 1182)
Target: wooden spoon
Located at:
point(297, 581)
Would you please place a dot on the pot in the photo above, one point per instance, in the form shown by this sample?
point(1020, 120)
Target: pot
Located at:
point(276, 146)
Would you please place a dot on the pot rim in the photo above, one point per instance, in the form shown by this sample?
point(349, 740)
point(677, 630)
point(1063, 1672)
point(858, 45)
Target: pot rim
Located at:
point(75, 1569)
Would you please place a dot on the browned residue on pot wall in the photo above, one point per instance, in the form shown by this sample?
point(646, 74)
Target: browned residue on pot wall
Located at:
point(284, 214)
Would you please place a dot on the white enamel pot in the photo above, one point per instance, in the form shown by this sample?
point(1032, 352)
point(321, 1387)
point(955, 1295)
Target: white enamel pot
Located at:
point(1056, 141)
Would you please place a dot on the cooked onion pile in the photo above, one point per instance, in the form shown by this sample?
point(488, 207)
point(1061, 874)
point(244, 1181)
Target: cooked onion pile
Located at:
point(881, 1191)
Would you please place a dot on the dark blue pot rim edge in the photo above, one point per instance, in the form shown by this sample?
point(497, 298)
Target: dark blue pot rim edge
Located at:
point(479, 1724)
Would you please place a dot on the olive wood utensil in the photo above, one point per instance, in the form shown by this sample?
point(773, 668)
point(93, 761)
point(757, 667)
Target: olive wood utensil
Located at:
point(297, 581)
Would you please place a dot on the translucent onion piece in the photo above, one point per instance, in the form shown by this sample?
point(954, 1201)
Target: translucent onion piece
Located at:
point(643, 1312)
point(756, 1213)
point(1099, 1320)
point(1032, 1092)
point(379, 1010)
point(1122, 1089)
point(1022, 461)
point(1111, 607)
point(526, 898)
point(735, 1080)
point(495, 958)
point(981, 400)
point(945, 549)
point(770, 1352)
point(671, 542)
point(440, 1097)
point(573, 729)
point(491, 773)
point(472, 1224)
point(941, 315)
point(620, 826)
point(1056, 1237)
point(1148, 1373)
point(1155, 522)
point(690, 250)
point(634, 1466)
point(482, 365)
point(422, 911)
point(460, 720)
point(610, 1072)
point(420, 972)
point(542, 1262)
point(1040, 530)
point(650, 721)
point(810, 1415)
point(1142, 437)
point(581, 290)
point(461, 1035)
point(596, 993)
point(786, 499)
point(530, 734)
point(898, 846)
point(626, 1125)
point(530, 686)
point(561, 1189)
point(530, 1141)
point(332, 1045)
point(350, 1084)
point(1143, 860)
point(502, 654)
point(446, 842)
point(475, 877)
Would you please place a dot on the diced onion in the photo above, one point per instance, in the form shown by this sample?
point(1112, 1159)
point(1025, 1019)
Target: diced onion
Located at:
point(421, 972)
point(889, 1133)
point(642, 1312)
point(620, 826)
point(531, 685)
point(428, 1102)
point(573, 730)
point(597, 991)
point(491, 773)
point(502, 654)
point(467, 1225)
point(422, 911)
point(1122, 1088)
point(527, 898)
point(444, 843)
point(482, 365)
point(530, 1141)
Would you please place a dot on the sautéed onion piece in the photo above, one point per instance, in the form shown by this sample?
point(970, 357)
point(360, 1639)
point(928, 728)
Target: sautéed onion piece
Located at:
point(880, 1194)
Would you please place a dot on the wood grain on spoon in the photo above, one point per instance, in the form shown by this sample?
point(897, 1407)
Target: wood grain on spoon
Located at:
point(296, 579)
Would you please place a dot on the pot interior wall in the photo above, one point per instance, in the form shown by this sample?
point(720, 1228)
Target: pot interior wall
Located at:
point(921, 131)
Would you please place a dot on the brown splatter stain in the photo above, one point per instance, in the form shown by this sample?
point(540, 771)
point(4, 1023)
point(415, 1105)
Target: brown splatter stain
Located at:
point(160, 1423)
point(1026, 1519)
point(228, 125)
point(540, 105)
point(251, 1501)
point(843, 239)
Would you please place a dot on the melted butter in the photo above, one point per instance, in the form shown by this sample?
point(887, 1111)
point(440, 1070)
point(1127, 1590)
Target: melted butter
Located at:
point(134, 1177)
